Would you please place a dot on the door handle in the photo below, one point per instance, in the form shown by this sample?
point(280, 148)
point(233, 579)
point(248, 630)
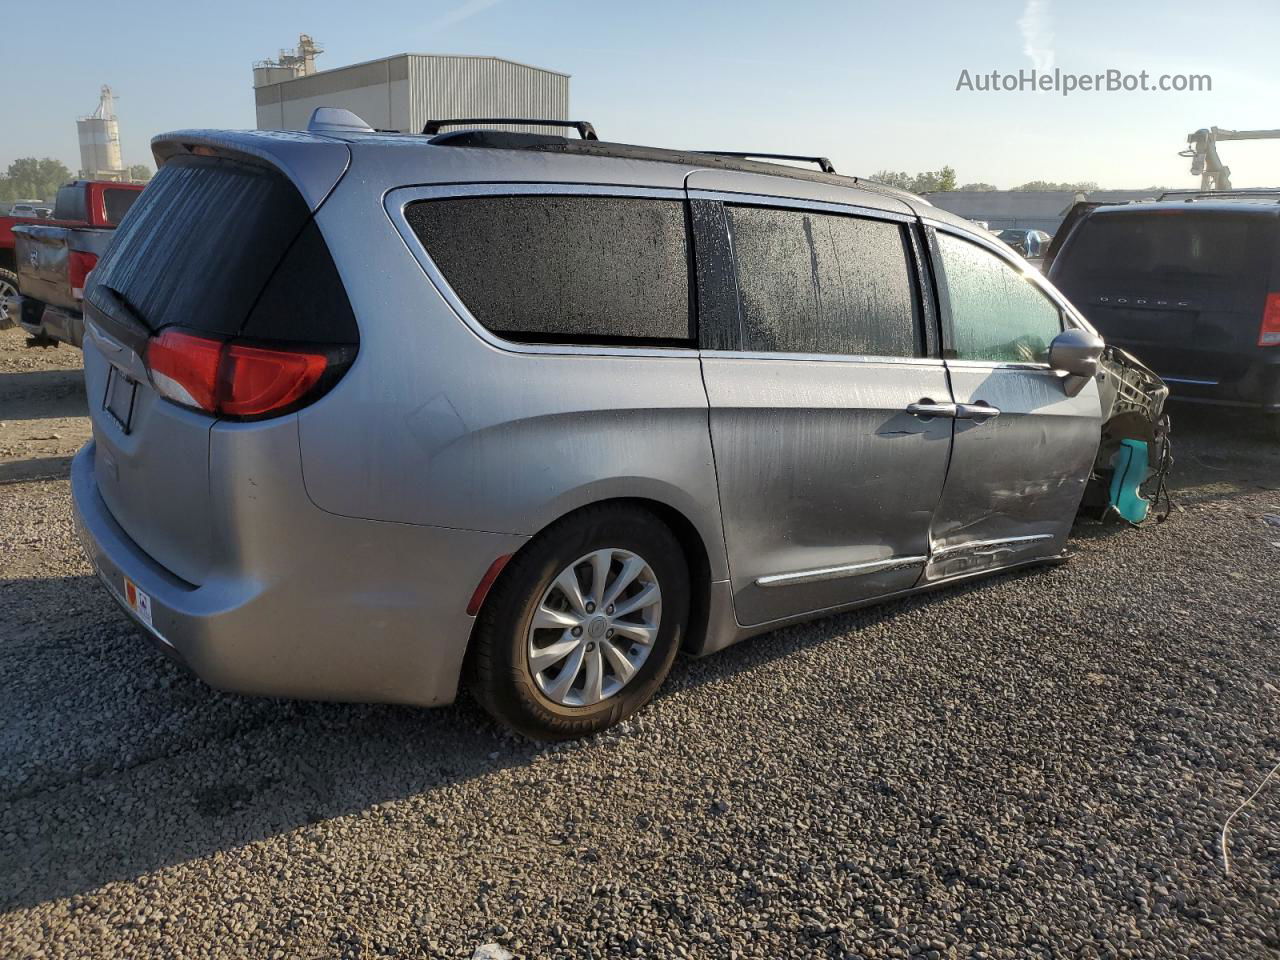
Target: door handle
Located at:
point(976, 411)
point(927, 409)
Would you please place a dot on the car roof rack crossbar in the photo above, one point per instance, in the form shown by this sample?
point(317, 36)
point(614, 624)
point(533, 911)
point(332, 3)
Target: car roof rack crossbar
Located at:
point(585, 130)
point(825, 165)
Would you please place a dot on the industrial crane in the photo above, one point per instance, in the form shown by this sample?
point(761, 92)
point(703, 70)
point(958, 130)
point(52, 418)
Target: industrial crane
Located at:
point(1213, 173)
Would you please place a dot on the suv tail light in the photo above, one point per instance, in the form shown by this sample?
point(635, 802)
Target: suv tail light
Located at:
point(79, 263)
point(1269, 332)
point(242, 381)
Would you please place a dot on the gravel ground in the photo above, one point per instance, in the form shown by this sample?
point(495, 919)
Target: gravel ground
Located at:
point(1038, 766)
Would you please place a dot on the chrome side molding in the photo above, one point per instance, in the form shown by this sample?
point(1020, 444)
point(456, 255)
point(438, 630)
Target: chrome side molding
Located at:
point(840, 572)
point(1010, 542)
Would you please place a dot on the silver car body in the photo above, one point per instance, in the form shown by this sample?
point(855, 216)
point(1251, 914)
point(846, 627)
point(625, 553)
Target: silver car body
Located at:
point(331, 553)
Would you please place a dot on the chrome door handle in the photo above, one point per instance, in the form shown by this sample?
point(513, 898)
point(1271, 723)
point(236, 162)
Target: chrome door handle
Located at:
point(926, 408)
point(976, 411)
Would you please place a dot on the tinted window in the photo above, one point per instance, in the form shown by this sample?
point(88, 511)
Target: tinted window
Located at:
point(201, 243)
point(996, 312)
point(1174, 246)
point(69, 203)
point(118, 203)
point(823, 283)
point(564, 269)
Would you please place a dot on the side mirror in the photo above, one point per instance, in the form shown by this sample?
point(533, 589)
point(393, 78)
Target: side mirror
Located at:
point(1076, 353)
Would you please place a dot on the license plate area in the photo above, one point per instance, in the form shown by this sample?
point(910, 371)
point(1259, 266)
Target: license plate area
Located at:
point(119, 397)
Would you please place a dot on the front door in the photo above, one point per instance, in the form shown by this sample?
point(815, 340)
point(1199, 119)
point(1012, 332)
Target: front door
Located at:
point(1023, 448)
point(827, 483)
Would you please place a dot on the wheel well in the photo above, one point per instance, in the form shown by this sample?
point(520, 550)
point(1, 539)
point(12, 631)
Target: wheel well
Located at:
point(695, 555)
point(8, 259)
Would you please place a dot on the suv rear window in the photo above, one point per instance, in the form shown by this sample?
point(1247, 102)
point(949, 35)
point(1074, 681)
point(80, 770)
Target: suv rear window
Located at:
point(823, 283)
point(1174, 244)
point(565, 269)
point(227, 248)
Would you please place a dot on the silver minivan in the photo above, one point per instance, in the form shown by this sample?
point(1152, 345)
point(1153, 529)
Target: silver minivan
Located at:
point(376, 413)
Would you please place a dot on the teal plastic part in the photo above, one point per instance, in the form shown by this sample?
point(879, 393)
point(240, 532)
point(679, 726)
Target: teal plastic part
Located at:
point(1130, 472)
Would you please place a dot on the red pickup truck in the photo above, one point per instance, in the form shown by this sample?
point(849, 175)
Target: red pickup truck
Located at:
point(82, 203)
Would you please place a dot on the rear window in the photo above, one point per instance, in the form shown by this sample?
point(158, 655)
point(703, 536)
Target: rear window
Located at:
point(69, 203)
point(565, 269)
point(117, 203)
point(227, 248)
point(1175, 245)
point(823, 283)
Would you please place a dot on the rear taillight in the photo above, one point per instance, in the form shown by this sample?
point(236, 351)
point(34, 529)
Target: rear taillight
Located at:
point(240, 380)
point(79, 264)
point(1269, 332)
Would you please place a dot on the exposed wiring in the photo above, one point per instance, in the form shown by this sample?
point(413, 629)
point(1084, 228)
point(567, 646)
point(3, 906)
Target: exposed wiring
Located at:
point(1222, 841)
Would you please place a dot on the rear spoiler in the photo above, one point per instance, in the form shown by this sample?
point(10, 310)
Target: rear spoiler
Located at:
point(315, 164)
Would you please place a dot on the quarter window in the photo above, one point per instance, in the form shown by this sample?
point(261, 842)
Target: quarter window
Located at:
point(565, 269)
point(823, 283)
point(996, 313)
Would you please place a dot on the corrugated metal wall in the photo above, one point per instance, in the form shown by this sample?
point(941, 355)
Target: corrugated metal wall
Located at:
point(442, 87)
point(405, 91)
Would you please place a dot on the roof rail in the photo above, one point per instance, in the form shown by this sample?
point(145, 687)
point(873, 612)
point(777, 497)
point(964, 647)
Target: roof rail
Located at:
point(823, 163)
point(1220, 194)
point(585, 130)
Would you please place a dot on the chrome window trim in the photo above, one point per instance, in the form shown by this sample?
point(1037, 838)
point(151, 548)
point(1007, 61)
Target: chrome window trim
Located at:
point(798, 203)
point(821, 574)
point(821, 357)
point(395, 202)
point(1001, 365)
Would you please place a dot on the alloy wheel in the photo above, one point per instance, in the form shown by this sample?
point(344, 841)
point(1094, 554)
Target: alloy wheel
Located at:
point(594, 627)
point(7, 290)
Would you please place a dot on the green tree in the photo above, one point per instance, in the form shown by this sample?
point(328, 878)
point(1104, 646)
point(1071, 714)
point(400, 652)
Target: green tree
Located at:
point(140, 171)
point(1044, 186)
point(36, 179)
point(979, 187)
point(894, 178)
point(929, 181)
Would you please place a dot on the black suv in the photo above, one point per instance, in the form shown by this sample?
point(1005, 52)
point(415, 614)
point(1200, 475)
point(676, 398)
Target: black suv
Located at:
point(1190, 285)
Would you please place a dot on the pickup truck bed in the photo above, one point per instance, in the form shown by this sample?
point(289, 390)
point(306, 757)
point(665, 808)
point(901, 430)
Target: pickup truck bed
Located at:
point(43, 294)
point(52, 265)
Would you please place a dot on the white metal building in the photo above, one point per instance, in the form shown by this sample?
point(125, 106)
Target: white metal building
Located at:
point(405, 91)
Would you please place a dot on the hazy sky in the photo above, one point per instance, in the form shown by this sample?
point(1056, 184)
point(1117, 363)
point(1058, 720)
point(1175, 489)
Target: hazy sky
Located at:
point(871, 85)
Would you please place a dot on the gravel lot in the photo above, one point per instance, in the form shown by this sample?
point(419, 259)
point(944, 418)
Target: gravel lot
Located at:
point(1039, 766)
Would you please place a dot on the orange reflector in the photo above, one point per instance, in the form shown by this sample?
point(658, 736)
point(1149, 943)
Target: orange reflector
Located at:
point(482, 588)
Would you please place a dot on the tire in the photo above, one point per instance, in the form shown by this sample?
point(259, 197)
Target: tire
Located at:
point(1273, 426)
point(8, 287)
point(502, 677)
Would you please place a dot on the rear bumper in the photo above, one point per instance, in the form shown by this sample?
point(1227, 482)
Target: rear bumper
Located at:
point(367, 611)
point(45, 320)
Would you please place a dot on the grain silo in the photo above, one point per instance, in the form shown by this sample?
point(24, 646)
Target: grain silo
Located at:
point(100, 141)
point(404, 91)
